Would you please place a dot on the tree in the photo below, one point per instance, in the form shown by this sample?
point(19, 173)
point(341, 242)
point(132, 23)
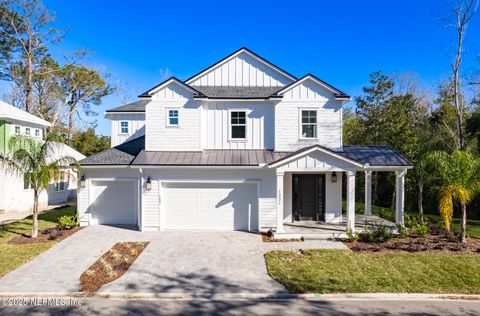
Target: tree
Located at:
point(33, 160)
point(88, 143)
point(82, 87)
point(460, 175)
point(25, 33)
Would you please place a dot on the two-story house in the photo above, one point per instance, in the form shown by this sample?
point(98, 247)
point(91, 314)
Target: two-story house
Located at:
point(242, 145)
point(16, 194)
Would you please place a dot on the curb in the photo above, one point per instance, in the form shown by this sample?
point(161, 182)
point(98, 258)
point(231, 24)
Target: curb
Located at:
point(255, 296)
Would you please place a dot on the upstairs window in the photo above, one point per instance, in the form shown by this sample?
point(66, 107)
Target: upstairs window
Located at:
point(238, 124)
point(172, 118)
point(37, 132)
point(27, 131)
point(124, 127)
point(309, 123)
point(17, 130)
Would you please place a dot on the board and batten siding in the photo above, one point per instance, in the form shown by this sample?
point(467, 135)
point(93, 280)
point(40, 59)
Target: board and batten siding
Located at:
point(136, 127)
point(259, 125)
point(185, 136)
point(308, 96)
point(242, 70)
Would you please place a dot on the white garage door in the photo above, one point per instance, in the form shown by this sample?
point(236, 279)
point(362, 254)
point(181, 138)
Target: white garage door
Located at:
point(211, 206)
point(114, 202)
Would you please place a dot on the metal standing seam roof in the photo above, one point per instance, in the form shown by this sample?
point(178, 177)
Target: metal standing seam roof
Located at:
point(375, 155)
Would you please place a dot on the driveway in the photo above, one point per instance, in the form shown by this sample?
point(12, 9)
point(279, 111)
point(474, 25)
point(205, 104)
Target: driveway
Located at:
point(174, 262)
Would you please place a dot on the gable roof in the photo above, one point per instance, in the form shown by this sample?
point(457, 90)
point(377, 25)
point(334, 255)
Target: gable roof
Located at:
point(137, 106)
point(122, 154)
point(236, 53)
point(8, 111)
point(338, 93)
point(231, 92)
point(376, 155)
point(148, 93)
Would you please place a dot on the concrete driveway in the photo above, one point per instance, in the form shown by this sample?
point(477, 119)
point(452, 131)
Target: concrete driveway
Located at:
point(174, 262)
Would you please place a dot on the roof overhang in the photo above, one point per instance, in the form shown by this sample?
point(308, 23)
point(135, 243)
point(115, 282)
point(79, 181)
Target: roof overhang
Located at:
point(148, 94)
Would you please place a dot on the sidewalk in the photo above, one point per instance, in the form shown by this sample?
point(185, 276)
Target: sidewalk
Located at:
point(9, 217)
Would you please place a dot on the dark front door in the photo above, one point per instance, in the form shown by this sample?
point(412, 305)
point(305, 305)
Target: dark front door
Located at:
point(308, 200)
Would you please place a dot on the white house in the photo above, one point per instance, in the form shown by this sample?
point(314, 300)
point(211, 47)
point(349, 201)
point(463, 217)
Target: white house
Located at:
point(242, 145)
point(15, 193)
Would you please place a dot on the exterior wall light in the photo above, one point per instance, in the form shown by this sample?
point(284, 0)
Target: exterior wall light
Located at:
point(148, 184)
point(82, 181)
point(334, 177)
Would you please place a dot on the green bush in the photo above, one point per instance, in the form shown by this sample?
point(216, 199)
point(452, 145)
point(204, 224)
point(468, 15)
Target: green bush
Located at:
point(421, 229)
point(382, 233)
point(67, 222)
point(402, 231)
point(352, 235)
point(367, 235)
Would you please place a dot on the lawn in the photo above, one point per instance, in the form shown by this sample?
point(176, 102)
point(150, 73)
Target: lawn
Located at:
point(473, 226)
point(12, 256)
point(343, 271)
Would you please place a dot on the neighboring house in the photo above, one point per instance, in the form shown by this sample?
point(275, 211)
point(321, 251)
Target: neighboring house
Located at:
point(242, 145)
point(15, 193)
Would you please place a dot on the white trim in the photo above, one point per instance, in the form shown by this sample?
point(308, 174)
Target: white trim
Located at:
point(243, 50)
point(120, 126)
point(304, 153)
point(124, 112)
point(300, 123)
point(167, 116)
point(194, 167)
point(296, 83)
point(237, 100)
point(230, 138)
point(166, 83)
point(249, 181)
point(387, 168)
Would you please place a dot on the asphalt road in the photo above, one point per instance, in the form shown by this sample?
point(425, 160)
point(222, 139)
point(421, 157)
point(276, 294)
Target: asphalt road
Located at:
point(121, 306)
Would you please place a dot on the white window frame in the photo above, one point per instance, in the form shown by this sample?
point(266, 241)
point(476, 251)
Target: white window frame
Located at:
point(230, 125)
point(301, 124)
point(61, 181)
point(121, 128)
point(28, 131)
point(37, 132)
point(167, 117)
point(15, 130)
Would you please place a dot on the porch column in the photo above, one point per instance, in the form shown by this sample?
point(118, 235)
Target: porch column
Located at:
point(279, 229)
point(368, 193)
point(400, 195)
point(351, 200)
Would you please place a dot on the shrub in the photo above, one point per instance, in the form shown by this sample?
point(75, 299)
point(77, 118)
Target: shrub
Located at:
point(67, 222)
point(382, 233)
point(367, 236)
point(421, 229)
point(402, 231)
point(352, 235)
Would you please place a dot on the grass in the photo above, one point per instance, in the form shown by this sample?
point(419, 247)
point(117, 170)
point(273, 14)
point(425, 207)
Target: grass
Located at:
point(473, 226)
point(342, 271)
point(12, 256)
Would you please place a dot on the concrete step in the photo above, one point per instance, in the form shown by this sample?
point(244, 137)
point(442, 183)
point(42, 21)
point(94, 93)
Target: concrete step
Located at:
point(324, 236)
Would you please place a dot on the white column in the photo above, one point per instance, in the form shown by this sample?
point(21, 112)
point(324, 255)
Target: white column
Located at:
point(368, 193)
point(400, 195)
point(279, 229)
point(351, 200)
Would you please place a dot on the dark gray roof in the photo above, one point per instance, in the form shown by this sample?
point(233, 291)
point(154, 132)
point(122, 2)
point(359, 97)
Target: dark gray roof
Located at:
point(375, 155)
point(137, 106)
point(120, 155)
point(232, 92)
point(245, 157)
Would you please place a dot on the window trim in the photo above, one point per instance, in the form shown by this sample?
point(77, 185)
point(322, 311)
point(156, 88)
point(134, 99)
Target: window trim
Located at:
point(167, 117)
point(230, 138)
point(37, 133)
point(301, 124)
point(121, 127)
point(56, 184)
point(28, 131)
point(15, 130)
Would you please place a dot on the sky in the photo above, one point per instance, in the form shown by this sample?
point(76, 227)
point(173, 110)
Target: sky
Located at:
point(340, 41)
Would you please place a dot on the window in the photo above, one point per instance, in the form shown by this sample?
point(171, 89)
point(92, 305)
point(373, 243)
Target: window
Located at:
point(60, 184)
point(309, 124)
point(37, 132)
point(238, 124)
point(27, 131)
point(27, 181)
point(17, 130)
point(124, 127)
point(172, 118)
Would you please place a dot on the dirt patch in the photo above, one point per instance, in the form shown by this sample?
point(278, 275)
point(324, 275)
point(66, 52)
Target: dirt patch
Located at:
point(437, 241)
point(111, 266)
point(268, 237)
point(46, 235)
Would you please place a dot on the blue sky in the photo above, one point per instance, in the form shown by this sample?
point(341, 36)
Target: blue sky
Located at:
point(339, 41)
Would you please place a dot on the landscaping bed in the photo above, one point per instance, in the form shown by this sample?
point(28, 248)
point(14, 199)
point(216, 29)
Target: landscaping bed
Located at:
point(344, 271)
point(46, 235)
point(268, 237)
point(111, 266)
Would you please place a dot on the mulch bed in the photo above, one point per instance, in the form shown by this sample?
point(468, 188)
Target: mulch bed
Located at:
point(46, 235)
point(438, 241)
point(111, 266)
point(268, 237)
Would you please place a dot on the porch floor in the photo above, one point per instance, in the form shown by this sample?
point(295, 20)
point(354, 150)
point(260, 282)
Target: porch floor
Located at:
point(321, 230)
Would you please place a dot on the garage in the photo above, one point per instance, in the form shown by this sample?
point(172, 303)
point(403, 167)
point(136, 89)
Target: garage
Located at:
point(210, 206)
point(114, 202)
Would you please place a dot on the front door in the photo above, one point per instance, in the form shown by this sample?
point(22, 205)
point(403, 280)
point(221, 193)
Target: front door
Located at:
point(308, 200)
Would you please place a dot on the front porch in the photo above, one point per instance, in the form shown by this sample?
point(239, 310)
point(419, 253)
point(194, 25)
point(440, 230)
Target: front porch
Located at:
point(322, 230)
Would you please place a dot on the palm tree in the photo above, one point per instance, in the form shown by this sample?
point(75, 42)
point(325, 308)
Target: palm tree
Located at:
point(460, 175)
point(37, 163)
